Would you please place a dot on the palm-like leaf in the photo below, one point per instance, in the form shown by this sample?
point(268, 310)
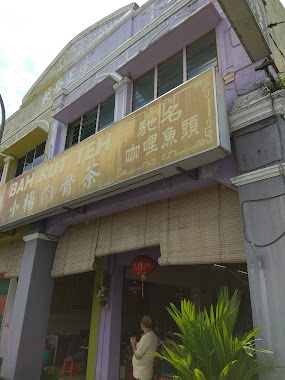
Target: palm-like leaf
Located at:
point(209, 350)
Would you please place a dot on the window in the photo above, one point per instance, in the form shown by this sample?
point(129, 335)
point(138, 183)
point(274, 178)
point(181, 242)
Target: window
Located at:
point(189, 62)
point(93, 121)
point(201, 55)
point(170, 74)
point(31, 159)
point(143, 91)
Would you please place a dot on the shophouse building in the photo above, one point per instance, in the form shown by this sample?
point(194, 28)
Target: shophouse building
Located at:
point(156, 132)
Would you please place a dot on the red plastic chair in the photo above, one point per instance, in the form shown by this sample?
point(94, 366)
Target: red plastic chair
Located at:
point(69, 367)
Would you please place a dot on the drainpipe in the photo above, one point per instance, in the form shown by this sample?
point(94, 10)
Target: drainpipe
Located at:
point(3, 118)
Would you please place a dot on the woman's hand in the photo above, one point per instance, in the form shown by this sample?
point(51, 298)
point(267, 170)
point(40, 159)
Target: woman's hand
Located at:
point(133, 341)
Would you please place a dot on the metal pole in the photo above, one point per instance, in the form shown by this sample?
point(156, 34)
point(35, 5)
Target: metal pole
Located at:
point(3, 118)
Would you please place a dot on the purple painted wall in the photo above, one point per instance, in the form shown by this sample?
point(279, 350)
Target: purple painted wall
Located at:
point(232, 55)
point(110, 320)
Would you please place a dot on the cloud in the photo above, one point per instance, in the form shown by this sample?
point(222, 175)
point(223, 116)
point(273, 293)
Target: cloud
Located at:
point(33, 33)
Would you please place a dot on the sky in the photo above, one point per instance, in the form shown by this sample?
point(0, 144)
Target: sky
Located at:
point(32, 34)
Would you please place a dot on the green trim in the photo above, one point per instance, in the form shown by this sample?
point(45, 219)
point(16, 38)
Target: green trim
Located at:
point(95, 319)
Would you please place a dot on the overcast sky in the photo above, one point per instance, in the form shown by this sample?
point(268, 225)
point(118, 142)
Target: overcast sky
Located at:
point(32, 33)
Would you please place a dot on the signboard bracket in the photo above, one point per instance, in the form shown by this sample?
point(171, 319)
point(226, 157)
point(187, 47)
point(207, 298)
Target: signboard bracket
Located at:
point(8, 233)
point(79, 210)
point(193, 173)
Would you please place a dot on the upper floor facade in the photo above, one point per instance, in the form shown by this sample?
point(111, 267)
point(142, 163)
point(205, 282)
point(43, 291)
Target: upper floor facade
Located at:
point(126, 72)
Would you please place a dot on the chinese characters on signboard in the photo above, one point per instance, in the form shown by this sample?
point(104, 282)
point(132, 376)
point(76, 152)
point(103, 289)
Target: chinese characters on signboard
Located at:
point(175, 127)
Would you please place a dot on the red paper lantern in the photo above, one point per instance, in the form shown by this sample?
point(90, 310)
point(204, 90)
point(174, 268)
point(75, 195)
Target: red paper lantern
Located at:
point(143, 265)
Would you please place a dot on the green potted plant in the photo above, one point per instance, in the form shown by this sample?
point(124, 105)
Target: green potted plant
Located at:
point(208, 347)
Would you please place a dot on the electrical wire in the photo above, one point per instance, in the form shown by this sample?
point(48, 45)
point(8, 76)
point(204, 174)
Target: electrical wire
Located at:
point(275, 24)
point(282, 175)
point(280, 51)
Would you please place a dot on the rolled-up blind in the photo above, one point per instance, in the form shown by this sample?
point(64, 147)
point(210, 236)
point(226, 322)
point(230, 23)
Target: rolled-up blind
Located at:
point(11, 255)
point(195, 228)
point(75, 252)
point(4, 256)
point(128, 230)
point(202, 227)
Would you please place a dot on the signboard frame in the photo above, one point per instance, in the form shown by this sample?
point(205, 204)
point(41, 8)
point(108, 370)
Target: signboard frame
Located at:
point(186, 127)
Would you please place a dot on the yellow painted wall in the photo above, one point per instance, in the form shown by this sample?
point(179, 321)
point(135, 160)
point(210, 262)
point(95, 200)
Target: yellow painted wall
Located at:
point(275, 13)
point(95, 319)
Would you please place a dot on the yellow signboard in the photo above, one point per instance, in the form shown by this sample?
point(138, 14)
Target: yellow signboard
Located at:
point(177, 127)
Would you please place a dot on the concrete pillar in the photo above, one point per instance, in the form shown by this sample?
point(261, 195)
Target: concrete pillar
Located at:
point(31, 309)
point(259, 151)
point(108, 352)
point(123, 90)
point(57, 139)
point(263, 206)
point(8, 170)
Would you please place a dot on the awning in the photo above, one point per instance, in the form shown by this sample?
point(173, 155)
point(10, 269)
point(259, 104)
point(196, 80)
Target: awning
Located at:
point(77, 107)
point(27, 142)
point(171, 42)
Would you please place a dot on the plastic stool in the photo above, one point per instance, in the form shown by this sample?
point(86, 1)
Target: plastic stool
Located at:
point(69, 367)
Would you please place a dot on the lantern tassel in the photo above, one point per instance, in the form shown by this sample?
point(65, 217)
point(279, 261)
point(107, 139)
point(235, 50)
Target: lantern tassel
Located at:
point(143, 278)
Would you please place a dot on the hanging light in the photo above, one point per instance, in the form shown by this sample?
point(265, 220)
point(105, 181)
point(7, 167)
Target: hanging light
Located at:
point(143, 265)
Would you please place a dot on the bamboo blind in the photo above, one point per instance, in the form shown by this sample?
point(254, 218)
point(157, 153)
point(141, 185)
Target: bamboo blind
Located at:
point(11, 255)
point(75, 250)
point(195, 228)
point(202, 227)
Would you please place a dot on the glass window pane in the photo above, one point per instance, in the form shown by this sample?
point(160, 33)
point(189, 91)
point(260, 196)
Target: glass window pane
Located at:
point(107, 113)
point(143, 90)
point(170, 74)
point(89, 124)
point(202, 55)
point(20, 166)
point(40, 149)
point(39, 160)
point(28, 167)
point(30, 158)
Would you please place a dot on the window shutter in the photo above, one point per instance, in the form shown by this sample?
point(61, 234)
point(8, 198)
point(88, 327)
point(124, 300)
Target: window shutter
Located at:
point(106, 117)
point(72, 133)
point(89, 124)
point(170, 74)
point(201, 55)
point(143, 90)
